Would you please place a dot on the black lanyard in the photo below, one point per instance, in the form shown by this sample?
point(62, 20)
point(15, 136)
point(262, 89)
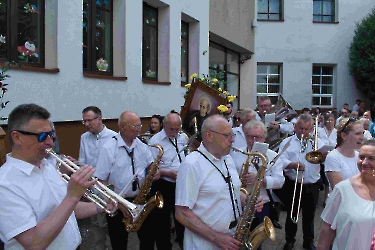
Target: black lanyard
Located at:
point(228, 180)
point(175, 146)
point(135, 183)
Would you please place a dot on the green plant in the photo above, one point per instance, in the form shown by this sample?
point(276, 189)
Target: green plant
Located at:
point(362, 55)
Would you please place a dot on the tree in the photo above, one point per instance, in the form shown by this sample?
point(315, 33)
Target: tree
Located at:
point(362, 55)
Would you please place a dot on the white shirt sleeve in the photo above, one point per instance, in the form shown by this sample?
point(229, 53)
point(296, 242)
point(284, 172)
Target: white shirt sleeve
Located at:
point(187, 185)
point(104, 164)
point(284, 161)
point(276, 178)
point(286, 128)
point(81, 157)
point(332, 162)
point(331, 210)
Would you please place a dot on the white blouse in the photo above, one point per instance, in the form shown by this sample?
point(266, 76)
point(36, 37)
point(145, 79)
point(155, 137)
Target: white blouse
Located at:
point(351, 216)
point(327, 140)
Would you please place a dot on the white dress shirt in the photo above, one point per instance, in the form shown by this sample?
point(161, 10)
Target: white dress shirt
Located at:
point(91, 145)
point(170, 152)
point(28, 195)
point(274, 177)
point(327, 140)
point(115, 165)
point(292, 154)
point(202, 189)
point(239, 140)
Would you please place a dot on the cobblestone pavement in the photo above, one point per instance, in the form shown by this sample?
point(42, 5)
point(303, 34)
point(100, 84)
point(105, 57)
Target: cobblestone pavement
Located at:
point(97, 239)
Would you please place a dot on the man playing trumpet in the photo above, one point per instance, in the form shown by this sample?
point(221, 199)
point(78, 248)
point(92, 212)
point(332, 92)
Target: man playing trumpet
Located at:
point(38, 210)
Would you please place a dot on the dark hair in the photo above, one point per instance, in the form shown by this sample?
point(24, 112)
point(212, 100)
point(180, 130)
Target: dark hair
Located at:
point(160, 118)
point(358, 100)
point(305, 109)
point(94, 109)
point(370, 142)
point(328, 115)
point(346, 104)
point(231, 104)
point(22, 114)
point(345, 126)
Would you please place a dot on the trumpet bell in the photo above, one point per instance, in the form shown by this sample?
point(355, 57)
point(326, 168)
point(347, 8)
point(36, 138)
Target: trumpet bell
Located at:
point(314, 157)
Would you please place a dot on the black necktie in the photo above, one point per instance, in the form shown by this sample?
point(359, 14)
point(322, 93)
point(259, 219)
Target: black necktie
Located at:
point(175, 146)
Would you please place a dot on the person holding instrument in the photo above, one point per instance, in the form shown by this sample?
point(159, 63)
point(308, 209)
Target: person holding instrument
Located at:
point(292, 159)
point(38, 209)
point(208, 197)
point(349, 217)
point(120, 159)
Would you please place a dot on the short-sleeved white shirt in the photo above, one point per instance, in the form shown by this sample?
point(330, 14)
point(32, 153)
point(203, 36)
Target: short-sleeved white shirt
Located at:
point(170, 152)
point(28, 195)
point(115, 166)
point(91, 144)
point(292, 154)
point(274, 177)
point(327, 140)
point(336, 162)
point(239, 140)
point(351, 216)
point(201, 188)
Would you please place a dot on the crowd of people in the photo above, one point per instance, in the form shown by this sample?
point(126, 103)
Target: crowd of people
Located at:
point(201, 186)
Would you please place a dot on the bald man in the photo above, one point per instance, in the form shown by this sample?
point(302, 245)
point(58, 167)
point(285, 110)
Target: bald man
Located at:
point(120, 158)
point(208, 202)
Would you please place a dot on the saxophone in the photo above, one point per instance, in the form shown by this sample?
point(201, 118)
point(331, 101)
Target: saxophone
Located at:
point(140, 199)
point(244, 171)
point(252, 239)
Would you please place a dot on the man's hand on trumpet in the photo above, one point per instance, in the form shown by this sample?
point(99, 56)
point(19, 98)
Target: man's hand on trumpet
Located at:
point(294, 165)
point(80, 181)
point(274, 125)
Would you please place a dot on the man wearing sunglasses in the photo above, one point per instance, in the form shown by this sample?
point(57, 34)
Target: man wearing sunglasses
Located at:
point(123, 162)
point(38, 209)
point(95, 137)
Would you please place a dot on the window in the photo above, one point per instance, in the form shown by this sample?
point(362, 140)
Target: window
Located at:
point(269, 10)
point(324, 11)
point(225, 66)
point(184, 52)
point(322, 85)
point(97, 36)
point(268, 81)
point(150, 43)
point(22, 31)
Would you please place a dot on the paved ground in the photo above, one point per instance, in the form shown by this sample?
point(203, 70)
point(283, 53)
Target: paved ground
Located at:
point(99, 240)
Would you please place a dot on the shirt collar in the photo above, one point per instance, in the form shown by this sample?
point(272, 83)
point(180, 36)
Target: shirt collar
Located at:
point(23, 166)
point(121, 143)
point(101, 133)
point(210, 156)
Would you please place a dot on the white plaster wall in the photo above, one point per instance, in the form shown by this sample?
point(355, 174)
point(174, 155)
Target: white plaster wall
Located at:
point(298, 43)
point(65, 94)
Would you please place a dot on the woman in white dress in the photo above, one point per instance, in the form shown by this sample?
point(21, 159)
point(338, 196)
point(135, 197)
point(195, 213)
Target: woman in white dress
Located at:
point(327, 134)
point(349, 217)
point(341, 163)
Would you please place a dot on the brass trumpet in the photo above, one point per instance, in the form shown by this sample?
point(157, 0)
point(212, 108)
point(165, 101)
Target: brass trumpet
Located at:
point(136, 211)
point(315, 157)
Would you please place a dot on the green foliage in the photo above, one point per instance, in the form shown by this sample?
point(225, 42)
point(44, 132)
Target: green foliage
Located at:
point(362, 55)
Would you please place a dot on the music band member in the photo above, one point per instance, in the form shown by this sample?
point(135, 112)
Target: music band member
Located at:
point(229, 113)
point(38, 209)
point(208, 197)
point(291, 158)
point(172, 142)
point(246, 115)
point(256, 131)
point(95, 136)
point(120, 159)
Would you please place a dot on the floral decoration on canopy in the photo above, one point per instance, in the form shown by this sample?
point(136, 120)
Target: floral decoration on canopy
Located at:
point(102, 64)
point(31, 8)
point(222, 109)
point(28, 50)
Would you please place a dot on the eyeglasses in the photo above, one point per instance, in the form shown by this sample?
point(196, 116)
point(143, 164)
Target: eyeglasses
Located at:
point(41, 136)
point(253, 137)
point(139, 126)
point(228, 136)
point(89, 120)
point(351, 119)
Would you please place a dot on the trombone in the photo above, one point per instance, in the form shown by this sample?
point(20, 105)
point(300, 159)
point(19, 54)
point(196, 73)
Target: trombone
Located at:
point(134, 210)
point(303, 142)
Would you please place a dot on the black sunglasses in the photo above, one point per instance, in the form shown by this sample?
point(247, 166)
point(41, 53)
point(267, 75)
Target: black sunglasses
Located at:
point(41, 136)
point(351, 119)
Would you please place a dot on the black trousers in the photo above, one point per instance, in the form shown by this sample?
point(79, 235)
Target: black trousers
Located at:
point(309, 200)
point(119, 236)
point(162, 217)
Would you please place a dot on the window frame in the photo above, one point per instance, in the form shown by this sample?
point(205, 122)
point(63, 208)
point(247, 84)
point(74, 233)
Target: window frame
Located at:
point(91, 60)
point(322, 85)
point(271, 95)
point(281, 18)
point(145, 5)
point(321, 15)
point(187, 51)
point(12, 31)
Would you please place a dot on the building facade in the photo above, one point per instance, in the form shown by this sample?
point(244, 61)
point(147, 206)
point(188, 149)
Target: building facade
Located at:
point(301, 50)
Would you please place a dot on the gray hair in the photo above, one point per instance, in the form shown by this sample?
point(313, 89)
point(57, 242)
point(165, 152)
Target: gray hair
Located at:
point(256, 124)
point(245, 112)
point(166, 118)
point(263, 98)
point(305, 118)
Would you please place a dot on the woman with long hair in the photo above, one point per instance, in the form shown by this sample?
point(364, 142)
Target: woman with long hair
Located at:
point(156, 125)
point(341, 163)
